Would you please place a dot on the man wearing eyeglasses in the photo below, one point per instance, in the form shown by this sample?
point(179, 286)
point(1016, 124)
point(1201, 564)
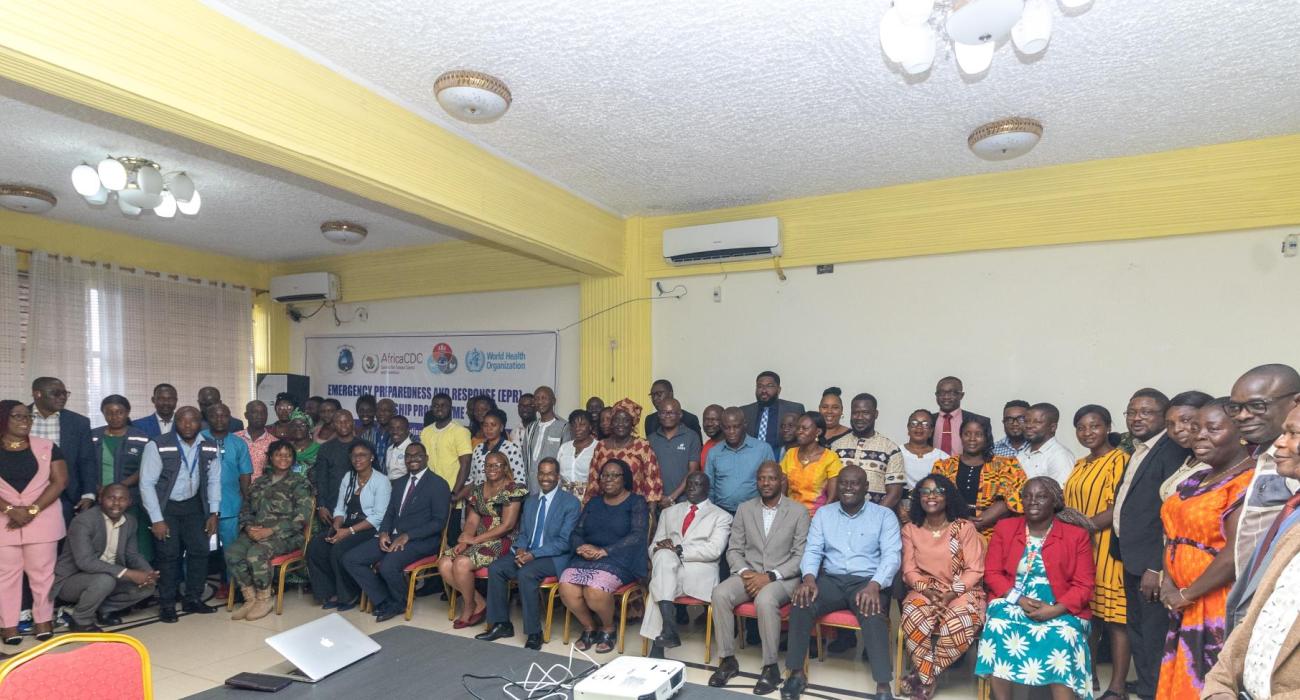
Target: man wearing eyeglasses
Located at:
point(948, 393)
point(1259, 402)
point(1013, 424)
point(71, 432)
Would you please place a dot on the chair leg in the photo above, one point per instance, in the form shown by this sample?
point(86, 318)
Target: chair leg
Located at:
point(645, 646)
point(622, 619)
point(740, 630)
point(898, 663)
point(821, 646)
point(550, 612)
point(451, 602)
point(708, 634)
point(230, 597)
point(566, 627)
point(410, 596)
point(279, 589)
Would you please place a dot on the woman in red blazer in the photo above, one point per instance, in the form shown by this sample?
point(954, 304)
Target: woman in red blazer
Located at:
point(1039, 572)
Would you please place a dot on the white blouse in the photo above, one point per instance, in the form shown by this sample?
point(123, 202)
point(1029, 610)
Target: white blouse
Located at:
point(574, 468)
point(918, 468)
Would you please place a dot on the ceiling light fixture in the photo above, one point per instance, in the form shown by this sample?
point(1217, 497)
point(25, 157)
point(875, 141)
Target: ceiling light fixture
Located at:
point(471, 96)
point(970, 29)
point(1005, 139)
point(28, 200)
point(139, 184)
point(343, 232)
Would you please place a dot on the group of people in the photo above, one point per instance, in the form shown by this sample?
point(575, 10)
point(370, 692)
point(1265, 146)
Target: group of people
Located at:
point(1172, 541)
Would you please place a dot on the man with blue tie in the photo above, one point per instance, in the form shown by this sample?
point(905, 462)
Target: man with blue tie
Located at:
point(763, 417)
point(411, 530)
point(542, 550)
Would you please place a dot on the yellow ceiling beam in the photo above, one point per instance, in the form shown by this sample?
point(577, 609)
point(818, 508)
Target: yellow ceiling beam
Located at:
point(185, 68)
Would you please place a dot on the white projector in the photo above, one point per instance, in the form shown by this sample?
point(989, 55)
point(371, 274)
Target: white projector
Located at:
point(633, 677)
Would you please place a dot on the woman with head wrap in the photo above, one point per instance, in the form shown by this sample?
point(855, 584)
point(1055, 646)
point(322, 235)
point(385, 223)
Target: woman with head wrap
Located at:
point(300, 434)
point(623, 444)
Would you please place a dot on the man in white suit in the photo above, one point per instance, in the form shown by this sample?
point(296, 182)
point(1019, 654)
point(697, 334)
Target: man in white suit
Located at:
point(688, 541)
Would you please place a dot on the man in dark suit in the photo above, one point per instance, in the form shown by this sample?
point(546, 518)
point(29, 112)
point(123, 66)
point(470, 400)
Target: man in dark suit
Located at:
point(660, 392)
point(948, 420)
point(541, 550)
point(71, 432)
point(163, 418)
point(1140, 533)
point(763, 417)
point(101, 570)
point(411, 530)
point(208, 397)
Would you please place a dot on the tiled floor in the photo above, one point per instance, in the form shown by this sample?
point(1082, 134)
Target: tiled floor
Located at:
point(201, 651)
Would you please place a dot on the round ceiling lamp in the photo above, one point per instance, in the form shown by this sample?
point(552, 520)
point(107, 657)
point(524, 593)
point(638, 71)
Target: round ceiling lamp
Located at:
point(343, 232)
point(1005, 139)
point(28, 200)
point(471, 96)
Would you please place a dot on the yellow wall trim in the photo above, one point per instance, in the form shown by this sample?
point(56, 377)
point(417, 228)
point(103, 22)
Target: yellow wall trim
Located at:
point(613, 373)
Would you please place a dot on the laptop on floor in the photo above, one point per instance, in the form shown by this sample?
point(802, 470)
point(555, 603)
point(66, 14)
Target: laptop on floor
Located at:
point(322, 647)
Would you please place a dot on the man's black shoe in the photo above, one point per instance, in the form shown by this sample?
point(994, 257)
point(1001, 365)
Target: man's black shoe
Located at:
point(168, 614)
point(497, 631)
point(109, 620)
point(844, 641)
point(387, 612)
point(75, 626)
point(668, 641)
point(727, 670)
point(534, 642)
point(793, 687)
point(769, 679)
point(197, 606)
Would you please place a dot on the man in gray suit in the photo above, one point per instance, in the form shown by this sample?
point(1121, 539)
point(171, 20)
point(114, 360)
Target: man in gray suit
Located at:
point(100, 569)
point(542, 438)
point(767, 542)
point(763, 417)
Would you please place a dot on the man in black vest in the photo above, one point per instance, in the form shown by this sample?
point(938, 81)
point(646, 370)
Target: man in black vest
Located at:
point(180, 484)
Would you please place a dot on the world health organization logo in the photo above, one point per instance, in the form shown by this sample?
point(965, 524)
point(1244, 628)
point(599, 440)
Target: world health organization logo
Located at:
point(474, 360)
point(347, 359)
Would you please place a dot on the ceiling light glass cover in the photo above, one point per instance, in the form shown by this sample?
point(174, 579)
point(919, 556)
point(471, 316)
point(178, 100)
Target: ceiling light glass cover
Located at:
point(28, 200)
point(139, 185)
point(343, 232)
point(971, 30)
point(471, 96)
point(1005, 139)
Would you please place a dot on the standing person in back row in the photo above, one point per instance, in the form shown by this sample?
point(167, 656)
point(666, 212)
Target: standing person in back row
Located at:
point(1044, 455)
point(71, 433)
point(660, 392)
point(677, 448)
point(333, 462)
point(164, 412)
point(948, 393)
point(542, 438)
point(208, 397)
point(763, 417)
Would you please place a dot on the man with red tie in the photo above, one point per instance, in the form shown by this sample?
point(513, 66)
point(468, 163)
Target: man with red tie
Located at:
point(947, 423)
point(689, 540)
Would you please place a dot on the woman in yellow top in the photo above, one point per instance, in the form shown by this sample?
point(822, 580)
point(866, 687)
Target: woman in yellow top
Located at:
point(810, 467)
point(990, 485)
point(1090, 489)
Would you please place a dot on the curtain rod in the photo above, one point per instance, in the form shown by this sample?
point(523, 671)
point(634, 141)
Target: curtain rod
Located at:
point(152, 273)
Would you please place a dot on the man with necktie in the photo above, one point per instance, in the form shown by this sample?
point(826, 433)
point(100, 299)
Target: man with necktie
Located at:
point(948, 393)
point(763, 417)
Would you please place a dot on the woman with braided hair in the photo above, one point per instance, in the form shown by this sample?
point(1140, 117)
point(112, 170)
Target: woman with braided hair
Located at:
point(1039, 572)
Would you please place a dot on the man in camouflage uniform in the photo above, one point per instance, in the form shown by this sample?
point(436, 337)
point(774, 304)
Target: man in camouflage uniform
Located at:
point(271, 524)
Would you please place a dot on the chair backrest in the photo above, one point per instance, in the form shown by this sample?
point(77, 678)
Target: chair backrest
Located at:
point(442, 546)
point(306, 529)
point(106, 667)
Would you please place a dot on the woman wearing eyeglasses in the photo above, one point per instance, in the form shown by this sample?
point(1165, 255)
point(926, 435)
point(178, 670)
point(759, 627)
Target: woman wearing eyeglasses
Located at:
point(943, 569)
point(919, 452)
point(991, 483)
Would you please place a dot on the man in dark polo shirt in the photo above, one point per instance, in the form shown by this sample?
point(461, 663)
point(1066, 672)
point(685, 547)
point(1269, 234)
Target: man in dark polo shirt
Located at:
point(660, 392)
point(677, 448)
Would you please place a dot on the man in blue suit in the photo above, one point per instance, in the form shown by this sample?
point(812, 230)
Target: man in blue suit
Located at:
point(71, 432)
point(542, 550)
point(163, 418)
point(410, 531)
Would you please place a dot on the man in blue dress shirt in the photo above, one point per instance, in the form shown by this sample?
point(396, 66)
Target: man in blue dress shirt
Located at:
point(854, 550)
point(732, 467)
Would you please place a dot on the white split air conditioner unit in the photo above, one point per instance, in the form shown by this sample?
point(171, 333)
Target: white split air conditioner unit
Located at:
point(749, 239)
point(308, 286)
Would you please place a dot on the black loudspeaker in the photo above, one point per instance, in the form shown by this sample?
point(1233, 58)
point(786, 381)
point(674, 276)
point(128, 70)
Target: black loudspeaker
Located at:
point(269, 385)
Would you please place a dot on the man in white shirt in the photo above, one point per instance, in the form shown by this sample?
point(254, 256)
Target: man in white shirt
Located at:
point(1044, 455)
point(399, 432)
point(542, 437)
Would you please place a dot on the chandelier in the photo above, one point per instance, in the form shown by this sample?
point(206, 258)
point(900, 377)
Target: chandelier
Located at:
point(911, 29)
point(139, 185)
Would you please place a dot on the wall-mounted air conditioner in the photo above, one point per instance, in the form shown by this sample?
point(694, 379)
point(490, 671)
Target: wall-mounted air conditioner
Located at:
point(749, 239)
point(308, 286)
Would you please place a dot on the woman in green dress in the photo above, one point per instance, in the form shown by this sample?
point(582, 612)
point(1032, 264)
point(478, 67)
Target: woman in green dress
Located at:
point(493, 513)
point(300, 434)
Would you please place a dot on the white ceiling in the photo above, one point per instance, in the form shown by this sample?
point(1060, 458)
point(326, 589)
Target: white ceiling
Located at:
point(249, 209)
point(676, 105)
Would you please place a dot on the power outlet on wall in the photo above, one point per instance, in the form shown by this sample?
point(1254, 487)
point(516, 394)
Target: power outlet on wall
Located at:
point(717, 295)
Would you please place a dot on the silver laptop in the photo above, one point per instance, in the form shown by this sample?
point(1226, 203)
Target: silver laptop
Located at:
point(322, 647)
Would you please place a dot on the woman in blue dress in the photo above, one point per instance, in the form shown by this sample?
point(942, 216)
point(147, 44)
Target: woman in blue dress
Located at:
point(1040, 570)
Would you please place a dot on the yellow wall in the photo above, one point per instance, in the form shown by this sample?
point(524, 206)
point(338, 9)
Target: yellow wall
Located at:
point(623, 371)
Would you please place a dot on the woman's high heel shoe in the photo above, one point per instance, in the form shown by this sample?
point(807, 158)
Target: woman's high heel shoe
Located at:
point(11, 636)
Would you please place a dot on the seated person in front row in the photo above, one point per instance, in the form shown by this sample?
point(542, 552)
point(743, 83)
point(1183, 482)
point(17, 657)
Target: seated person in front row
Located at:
point(610, 542)
point(411, 530)
point(363, 499)
point(541, 550)
point(684, 553)
point(493, 508)
point(854, 551)
point(100, 570)
point(767, 542)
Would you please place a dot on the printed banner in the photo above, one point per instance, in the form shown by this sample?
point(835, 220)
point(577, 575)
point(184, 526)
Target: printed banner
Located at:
point(410, 369)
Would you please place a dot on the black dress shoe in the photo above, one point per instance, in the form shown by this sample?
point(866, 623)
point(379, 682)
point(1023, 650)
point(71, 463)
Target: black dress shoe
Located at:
point(769, 679)
point(197, 606)
point(168, 615)
point(387, 613)
point(497, 631)
point(109, 620)
point(885, 695)
point(793, 687)
point(534, 642)
point(75, 626)
point(668, 641)
point(727, 670)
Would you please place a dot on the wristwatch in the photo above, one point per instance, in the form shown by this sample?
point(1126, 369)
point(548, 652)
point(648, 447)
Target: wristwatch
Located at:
point(771, 576)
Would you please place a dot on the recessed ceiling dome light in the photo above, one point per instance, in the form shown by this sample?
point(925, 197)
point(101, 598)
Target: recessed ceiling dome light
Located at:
point(343, 232)
point(471, 96)
point(28, 200)
point(1005, 139)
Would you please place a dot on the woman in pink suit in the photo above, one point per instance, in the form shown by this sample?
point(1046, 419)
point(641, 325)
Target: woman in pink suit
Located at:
point(32, 475)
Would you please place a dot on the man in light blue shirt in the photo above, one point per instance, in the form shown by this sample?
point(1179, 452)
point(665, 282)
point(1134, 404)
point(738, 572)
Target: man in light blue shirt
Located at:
point(732, 467)
point(853, 552)
point(236, 471)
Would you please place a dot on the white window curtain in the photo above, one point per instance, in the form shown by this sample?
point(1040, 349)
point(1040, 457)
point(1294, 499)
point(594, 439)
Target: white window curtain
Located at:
point(104, 330)
point(12, 385)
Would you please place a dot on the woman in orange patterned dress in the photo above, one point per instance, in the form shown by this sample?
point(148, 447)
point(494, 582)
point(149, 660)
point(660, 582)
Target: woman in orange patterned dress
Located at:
point(1200, 521)
point(811, 469)
point(991, 483)
point(623, 444)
